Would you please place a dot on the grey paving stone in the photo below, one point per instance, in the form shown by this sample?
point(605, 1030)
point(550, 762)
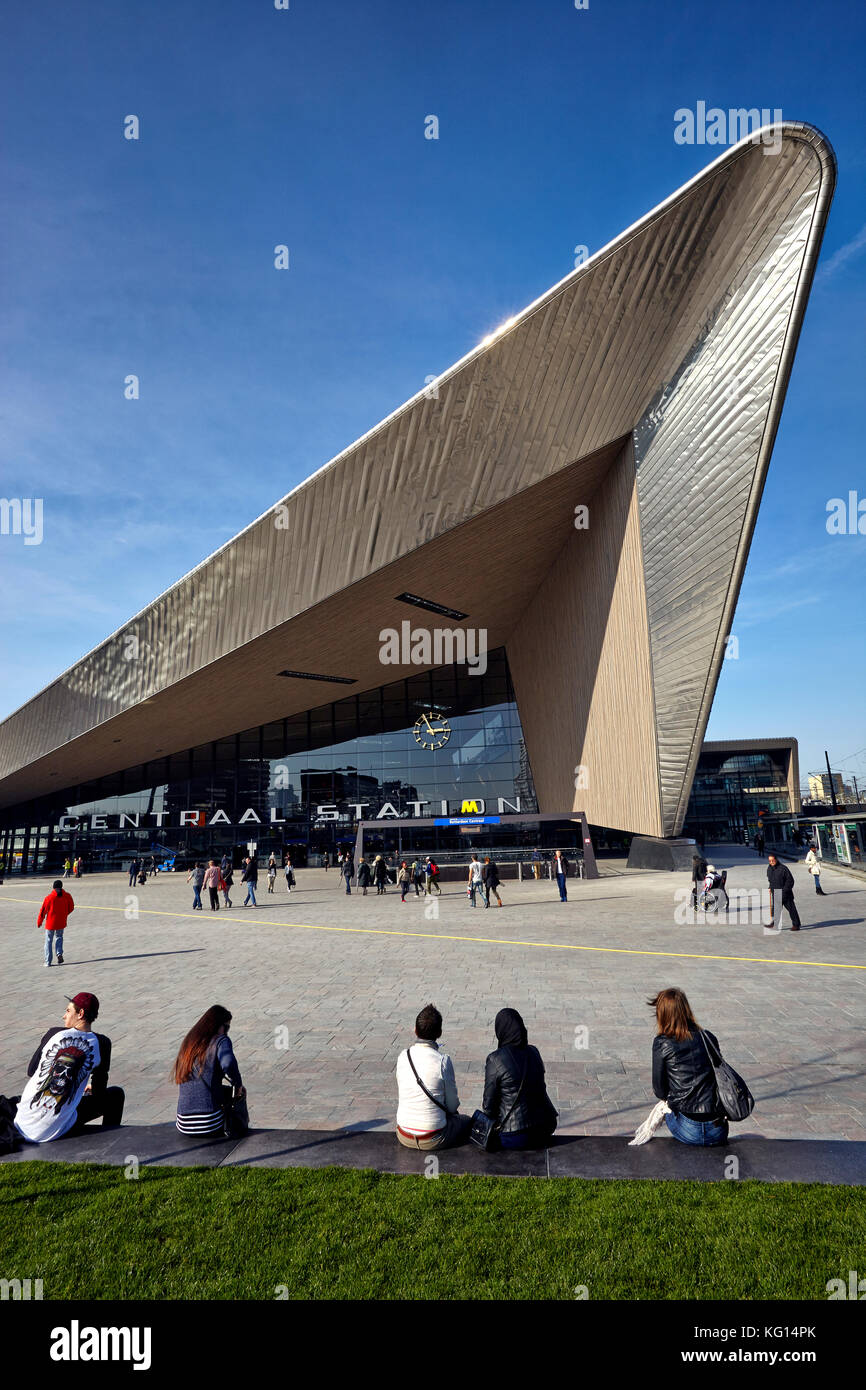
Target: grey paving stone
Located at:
point(348, 999)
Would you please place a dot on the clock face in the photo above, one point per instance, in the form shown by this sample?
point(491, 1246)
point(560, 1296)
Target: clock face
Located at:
point(432, 730)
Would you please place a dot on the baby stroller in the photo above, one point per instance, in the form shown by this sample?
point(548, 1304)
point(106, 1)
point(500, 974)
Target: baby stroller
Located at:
point(714, 890)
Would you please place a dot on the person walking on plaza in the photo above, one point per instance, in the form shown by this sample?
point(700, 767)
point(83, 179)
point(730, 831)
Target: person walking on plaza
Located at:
point(67, 868)
point(226, 883)
point(54, 913)
point(250, 877)
point(78, 867)
point(403, 880)
point(326, 859)
point(473, 883)
point(683, 1074)
point(490, 876)
point(211, 882)
point(272, 873)
point(560, 871)
point(347, 869)
point(416, 876)
point(781, 881)
point(536, 864)
point(205, 1057)
point(133, 870)
point(699, 873)
point(428, 1104)
point(380, 874)
point(196, 875)
point(364, 876)
point(68, 1083)
point(813, 864)
point(515, 1094)
point(290, 874)
point(431, 876)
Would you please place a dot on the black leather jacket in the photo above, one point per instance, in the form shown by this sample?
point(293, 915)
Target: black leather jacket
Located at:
point(502, 1076)
point(684, 1077)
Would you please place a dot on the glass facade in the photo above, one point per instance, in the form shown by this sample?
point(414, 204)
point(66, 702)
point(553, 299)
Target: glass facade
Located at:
point(731, 789)
point(419, 746)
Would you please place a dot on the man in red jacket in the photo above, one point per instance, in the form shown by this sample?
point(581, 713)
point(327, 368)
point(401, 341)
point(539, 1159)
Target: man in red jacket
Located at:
point(54, 912)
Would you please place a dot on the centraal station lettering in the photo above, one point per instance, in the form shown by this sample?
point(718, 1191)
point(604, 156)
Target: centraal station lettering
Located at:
point(135, 820)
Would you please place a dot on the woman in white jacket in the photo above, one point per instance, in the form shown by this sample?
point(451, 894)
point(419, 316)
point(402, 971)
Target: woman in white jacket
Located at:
point(813, 864)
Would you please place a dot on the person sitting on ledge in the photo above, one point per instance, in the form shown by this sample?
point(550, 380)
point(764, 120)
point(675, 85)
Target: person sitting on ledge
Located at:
point(683, 1074)
point(68, 1083)
point(427, 1111)
point(205, 1057)
point(515, 1095)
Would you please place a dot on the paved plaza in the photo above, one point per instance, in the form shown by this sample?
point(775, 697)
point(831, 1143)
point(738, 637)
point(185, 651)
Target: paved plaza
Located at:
point(324, 989)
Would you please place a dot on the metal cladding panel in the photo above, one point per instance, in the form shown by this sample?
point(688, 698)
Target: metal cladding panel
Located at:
point(702, 450)
point(703, 287)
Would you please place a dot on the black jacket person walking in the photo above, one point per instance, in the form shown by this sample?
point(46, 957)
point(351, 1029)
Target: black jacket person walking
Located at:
point(699, 869)
point(781, 880)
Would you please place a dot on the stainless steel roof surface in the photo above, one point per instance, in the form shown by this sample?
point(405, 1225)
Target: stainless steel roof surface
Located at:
point(681, 331)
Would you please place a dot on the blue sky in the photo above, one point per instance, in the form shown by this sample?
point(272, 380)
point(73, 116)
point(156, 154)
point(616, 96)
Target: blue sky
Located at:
point(306, 127)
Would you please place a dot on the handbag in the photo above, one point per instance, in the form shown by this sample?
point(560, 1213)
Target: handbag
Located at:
point(485, 1132)
point(236, 1116)
point(735, 1097)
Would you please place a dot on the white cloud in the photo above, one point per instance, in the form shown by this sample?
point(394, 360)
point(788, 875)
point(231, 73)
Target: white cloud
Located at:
point(845, 253)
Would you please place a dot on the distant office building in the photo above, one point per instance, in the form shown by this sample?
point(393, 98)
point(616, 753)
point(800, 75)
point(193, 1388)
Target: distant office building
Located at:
point(737, 783)
point(819, 787)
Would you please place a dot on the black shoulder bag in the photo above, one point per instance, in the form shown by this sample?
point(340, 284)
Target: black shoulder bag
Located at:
point(735, 1097)
point(485, 1132)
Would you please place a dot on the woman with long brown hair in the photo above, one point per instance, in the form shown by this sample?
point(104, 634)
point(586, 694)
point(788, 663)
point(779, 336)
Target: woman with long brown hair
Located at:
point(205, 1057)
point(683, 1073)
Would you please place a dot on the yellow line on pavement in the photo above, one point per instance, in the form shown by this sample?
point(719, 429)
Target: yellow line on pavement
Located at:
point(483, 940)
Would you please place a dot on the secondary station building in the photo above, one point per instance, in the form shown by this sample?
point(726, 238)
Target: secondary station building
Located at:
point(508, 600)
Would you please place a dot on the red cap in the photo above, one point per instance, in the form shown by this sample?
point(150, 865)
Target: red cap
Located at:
point(87, 1003)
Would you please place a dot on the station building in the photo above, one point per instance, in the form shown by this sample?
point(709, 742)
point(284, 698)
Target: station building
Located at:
point(510, 597)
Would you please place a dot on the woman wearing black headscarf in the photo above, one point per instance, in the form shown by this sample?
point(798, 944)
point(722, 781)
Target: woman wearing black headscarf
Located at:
point(515, 1095)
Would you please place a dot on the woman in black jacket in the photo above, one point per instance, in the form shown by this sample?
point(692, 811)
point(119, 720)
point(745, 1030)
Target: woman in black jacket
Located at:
point(491, 880)
point(683, 1074)
point(515, 1095)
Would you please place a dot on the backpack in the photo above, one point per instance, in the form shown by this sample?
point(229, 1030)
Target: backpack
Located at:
point(10, 1139)
point(434, 870)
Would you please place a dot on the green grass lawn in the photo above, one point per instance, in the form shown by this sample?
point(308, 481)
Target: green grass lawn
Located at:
point(90, 1233)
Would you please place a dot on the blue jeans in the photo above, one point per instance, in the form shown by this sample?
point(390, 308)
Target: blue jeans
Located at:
point(526, 1139)
point(563, 896)
point(704, 1132)
point(196, 895)
point(55, 937)
point(251, 895)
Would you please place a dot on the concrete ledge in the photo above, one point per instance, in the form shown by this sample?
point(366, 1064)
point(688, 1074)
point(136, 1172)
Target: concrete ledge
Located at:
point(648, 852)
point(832, 1161)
